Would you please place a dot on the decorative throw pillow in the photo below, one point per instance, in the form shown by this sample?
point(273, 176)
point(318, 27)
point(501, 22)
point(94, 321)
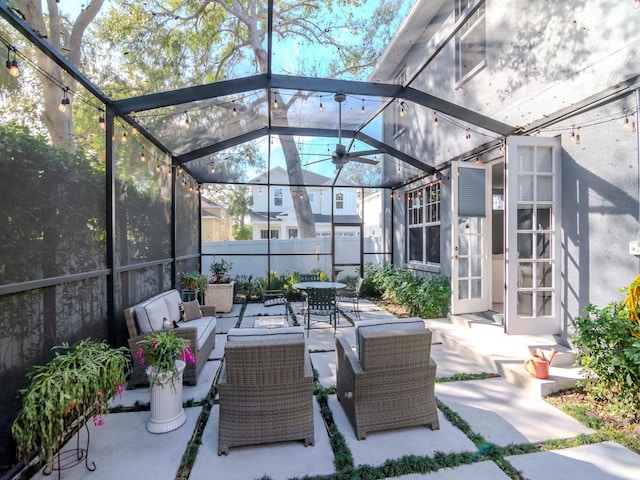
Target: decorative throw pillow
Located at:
point(191, 310)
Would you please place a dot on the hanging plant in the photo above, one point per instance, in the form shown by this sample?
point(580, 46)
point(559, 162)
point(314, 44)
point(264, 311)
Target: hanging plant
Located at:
point(72, 388)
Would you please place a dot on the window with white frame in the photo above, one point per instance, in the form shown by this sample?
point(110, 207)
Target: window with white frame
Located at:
point(339, 201)
point(471, 42)
point(264, 234)
point(423, 224)
point(400, 110)
point(277, 197)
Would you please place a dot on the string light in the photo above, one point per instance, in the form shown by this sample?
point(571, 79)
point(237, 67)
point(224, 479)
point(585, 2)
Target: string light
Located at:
point(12, 65)
point(212, 167)
point(573, 135)
point(578, 136)
point(435, 119)
point(64, 102)
point(321, 107)
point(627, 124)
point(102, 122)
point(235, 110)
point(502, 149)
point(143, 159)
point(158, 167)
point(186, 120)
point(362, 109)
point(260, 191)
point(134, 130)
point(275, 101)
point(467, 137)
point(123, 139)
point(402, 107)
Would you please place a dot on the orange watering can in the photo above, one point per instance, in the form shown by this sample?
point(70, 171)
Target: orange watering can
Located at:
point(538, 365)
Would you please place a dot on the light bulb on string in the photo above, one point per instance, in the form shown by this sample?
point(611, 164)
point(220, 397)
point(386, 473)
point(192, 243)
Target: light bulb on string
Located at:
point(12, 65)
point(573, 135)
point(158, 168)
point(578, 136)
point(186, 120)
point(321, 106)
point(143, 159)
point(212, 167)
point(275, 101)
point(627, 124)
point(102, 122)
point(435, 119)
point(64, 102)
point(235, 110)
point(123, 139)
point(362, 108)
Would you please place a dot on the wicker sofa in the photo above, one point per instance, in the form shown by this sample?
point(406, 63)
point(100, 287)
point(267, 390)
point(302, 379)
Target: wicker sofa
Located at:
point(265, 388)
point(389, 383)
point(150, 315)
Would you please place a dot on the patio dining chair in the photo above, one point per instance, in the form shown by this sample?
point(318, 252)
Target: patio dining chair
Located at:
point(308, 277)
point(351, 295)
point(321, 301)
point(273, 298)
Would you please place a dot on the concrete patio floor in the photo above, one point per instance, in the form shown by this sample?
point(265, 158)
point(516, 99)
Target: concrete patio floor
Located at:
point(496, 408)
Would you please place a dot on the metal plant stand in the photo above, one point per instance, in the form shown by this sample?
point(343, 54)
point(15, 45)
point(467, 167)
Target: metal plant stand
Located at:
point(66, 459)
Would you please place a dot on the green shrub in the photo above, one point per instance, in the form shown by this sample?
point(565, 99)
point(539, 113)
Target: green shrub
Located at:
point(610, 355)
point(426, 296)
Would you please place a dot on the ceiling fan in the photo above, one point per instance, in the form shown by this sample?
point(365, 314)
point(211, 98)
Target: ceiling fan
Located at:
point(340, 157)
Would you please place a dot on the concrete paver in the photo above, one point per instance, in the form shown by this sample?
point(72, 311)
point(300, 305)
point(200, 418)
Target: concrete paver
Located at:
point(503, 414)
point(476, 471)
point(601, 461)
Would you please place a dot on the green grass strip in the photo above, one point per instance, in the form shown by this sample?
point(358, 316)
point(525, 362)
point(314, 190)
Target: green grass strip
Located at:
point(462, 377)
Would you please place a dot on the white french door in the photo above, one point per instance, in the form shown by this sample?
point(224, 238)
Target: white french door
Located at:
point(470, 227)
point(533, 235)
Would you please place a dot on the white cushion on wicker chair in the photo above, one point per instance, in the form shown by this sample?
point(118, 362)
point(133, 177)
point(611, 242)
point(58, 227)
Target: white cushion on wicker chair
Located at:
point(254, 334)
point(386, 325)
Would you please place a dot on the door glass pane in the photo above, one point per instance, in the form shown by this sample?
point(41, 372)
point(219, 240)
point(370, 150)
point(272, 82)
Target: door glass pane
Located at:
point(543, 217)
point(544, 274)
point(525, 246)
point(476, 266)
point(525, 188)
point(525, 219)
point(544, 191)
point(543, 249)
point(463, 245)
point(474, 225)
point(463, 289)
point(526, 159)
point(463, 267)
point(544, 159)
point(474, 245)
point(525, 275)
point(544, 303)
point(525, 304)
point(476, 288)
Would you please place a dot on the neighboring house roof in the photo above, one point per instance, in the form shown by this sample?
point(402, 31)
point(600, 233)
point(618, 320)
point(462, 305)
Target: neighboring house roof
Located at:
point(310, 178)
point(207, 202)
point(317, 217)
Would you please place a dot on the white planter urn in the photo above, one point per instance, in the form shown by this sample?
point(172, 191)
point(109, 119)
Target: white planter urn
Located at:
point(220, 295)
point(167, 413)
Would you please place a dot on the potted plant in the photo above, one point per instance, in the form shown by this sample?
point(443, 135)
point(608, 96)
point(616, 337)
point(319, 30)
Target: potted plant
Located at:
point(220, 287)
point(63, 395)
point(166, 354)
point(192, 284)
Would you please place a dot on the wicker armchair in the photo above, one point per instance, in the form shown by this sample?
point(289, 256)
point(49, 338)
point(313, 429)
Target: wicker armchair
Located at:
point(265, 388)
point(390, 383)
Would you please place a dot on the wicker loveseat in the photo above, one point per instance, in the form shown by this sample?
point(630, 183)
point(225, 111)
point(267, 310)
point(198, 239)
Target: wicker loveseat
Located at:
point(265, 388)
point(153, 314)
point(390, 382)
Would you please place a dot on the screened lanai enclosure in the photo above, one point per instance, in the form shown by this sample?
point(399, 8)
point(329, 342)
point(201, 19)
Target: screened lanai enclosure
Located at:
point(143, 140)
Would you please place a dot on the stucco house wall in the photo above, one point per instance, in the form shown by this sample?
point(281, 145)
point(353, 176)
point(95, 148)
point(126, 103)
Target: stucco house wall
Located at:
point(543, 59)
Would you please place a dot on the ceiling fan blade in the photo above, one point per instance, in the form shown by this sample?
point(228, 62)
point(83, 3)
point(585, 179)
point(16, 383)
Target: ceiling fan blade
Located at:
point(370, 161)
point(317, 161)
point(364, 153)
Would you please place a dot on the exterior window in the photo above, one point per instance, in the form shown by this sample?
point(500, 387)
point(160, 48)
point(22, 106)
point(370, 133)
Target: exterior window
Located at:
point(471, 42)
point(277, 197)
point(339, 201)
point(400, 110)
point(423, 224)
point(264, 234)
point(293, 232)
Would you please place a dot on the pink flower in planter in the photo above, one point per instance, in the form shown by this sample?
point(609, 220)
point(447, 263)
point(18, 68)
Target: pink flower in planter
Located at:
point(119, 389)
point(140, 355)
point(187, 355)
